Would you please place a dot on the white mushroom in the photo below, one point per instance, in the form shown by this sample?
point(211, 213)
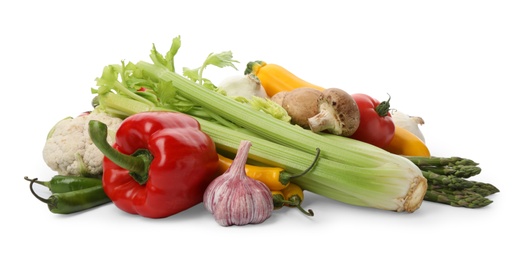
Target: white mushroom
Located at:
point(300, 104)
point(279, 97)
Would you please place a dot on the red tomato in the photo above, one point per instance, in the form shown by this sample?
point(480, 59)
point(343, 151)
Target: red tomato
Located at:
point(376, 126)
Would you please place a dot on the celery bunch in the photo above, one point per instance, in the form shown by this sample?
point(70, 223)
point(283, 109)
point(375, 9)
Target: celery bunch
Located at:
point(348, 170)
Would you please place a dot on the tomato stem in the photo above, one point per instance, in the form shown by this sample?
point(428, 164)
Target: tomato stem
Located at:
point(383, 108)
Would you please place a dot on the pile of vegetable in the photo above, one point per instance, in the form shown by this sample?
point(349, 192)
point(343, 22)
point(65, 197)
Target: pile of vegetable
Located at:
point(170, 140)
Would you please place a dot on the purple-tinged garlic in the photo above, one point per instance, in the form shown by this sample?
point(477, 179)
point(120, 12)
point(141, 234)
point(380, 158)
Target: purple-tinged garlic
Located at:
point(236, 199)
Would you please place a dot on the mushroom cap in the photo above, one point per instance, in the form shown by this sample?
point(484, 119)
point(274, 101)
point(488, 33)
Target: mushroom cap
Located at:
point(300, 104)
point(279, 97)
point(339, 111)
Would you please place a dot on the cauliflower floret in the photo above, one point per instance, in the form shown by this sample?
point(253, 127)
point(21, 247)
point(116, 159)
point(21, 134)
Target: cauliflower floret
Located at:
point(69, 149)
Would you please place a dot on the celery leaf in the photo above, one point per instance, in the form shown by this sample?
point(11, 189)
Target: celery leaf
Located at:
point(176, 44)
point(220, 60)
point(167, 60)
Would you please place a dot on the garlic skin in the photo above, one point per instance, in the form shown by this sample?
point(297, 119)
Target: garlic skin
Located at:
point(236, 199)
point(245, 86)
point(410, 123)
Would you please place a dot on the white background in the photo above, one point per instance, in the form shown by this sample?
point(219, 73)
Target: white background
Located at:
point(457, 64)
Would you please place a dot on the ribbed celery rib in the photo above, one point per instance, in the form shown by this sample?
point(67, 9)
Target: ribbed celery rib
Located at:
point(348, 170)
point(377, 187)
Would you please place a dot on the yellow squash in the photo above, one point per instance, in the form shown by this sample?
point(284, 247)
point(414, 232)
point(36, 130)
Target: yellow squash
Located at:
point(406, 143)
point(275, 78)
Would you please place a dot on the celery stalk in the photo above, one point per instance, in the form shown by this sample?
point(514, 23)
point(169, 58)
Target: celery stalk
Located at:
point(383, 187)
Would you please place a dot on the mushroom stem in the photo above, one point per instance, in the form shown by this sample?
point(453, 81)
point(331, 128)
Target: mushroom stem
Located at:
point(326, 119)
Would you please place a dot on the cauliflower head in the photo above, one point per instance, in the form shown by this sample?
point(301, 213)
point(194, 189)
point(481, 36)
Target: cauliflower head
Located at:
point(69, 150)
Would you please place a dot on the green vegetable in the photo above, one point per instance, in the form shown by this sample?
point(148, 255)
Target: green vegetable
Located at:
point(73, 201)
point(448, 181)
point(62, 183)
point(457, 198)
point(451, 166)
point(350, 171)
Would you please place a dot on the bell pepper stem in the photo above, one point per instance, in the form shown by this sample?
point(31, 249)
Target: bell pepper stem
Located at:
point(137, 164)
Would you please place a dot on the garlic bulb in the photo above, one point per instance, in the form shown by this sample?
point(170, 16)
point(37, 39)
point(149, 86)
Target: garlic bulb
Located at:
point(236, 199)
point(245, 86)
point(410, 123)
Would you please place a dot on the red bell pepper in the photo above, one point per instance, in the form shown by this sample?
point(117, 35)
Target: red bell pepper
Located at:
point(159, 165)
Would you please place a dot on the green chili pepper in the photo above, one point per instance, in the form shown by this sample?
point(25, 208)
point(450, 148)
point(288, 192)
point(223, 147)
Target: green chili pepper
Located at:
point(61, 183)
point(73, 201)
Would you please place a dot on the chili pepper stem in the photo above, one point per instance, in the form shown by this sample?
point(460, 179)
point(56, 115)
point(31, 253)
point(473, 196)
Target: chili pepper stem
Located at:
point(279, 202)
point(46, 201)
point(295, 202)
point(44, 183)
point(308, 212)
point(286, 177)
point(137, 163)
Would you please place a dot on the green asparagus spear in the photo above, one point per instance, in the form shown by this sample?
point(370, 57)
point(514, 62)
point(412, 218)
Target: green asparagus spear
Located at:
point(457, 198)
point(461, 171)
point(484, 189)
point(446, 181)
point(440, 161)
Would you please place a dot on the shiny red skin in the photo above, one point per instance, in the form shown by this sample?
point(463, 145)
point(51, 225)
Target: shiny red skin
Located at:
point(374, 128)
point(184, 162)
